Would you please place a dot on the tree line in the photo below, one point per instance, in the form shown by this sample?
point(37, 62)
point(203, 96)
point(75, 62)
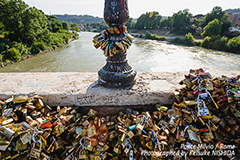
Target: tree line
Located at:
point(27, 30)
point(181, 22)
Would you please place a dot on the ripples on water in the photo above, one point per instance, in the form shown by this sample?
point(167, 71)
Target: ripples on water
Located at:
point(144, 55)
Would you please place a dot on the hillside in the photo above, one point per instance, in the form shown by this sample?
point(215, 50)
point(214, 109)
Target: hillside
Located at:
point(78, 18)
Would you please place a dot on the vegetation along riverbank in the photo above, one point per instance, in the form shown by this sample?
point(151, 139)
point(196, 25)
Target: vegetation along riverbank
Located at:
point(212, 29)
point(26, 31)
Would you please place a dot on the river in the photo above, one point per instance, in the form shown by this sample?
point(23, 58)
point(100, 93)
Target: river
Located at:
point(144, 55)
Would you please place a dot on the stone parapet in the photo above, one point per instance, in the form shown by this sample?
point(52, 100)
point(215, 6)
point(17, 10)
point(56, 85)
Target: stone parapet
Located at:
point(82, 89)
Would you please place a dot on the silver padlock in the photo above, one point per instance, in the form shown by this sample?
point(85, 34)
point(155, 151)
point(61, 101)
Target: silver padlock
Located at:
point(35, 153)
point(7, 132)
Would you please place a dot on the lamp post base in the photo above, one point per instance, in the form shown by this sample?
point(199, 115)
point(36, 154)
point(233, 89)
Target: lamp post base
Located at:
point(117, 73)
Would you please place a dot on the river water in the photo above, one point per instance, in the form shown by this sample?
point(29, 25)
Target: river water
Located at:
point(144, 55)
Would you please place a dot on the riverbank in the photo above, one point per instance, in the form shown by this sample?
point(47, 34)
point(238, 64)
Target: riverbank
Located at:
point(143, 55)
point(162, 32)
point(4, 64)
point(217, 42)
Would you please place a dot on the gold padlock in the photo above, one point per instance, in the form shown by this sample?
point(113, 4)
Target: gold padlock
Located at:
point(25, 138)
point(35, 153)
point(130, 134)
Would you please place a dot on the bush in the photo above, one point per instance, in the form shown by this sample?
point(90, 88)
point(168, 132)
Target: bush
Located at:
point(154, 37)
point(75, 35)
point(189, 39)
point(14, 54)
point(215, 42)
point(206, 42)
point(1, 57)
point(35, 49)
point(233, 45)
point(220, 44)
point(176, 40)
point(40, 45)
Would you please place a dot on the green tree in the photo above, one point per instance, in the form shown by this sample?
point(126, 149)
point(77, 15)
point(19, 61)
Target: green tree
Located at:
point(225, 26)
point(181, 20)
point(129, 23)
point(34, 25)
point(166, 22)
point(213, 28)
point(216, 13)
point(51, 18)
point(56, 26)
point(75, 27)
point(65, 26)
point(1, 27)
point(150, 20)
point(11, 16)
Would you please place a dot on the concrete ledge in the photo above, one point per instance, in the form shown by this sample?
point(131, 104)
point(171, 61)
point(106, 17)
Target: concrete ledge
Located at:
point(82, 89)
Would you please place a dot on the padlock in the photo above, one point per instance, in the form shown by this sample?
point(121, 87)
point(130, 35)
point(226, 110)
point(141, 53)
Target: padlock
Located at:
point(20, 146)
point(187, 82)
point(59, 129)
point(25, 138)
point(190, 103)
point(193, 136)
point(149, 145)
point(35, 153)
point(139, 127)
point(117, 149)
point(122, 137)
point(230, 96)
point(92, 113)
point(209, 85)
point(7, 132)
point(126, 150)
point(130, 134)
point(45, 155)
point(89, 147)
point(235, 112)
point(204, 96)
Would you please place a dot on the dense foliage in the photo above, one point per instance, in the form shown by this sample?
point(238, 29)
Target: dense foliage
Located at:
point(187, 40)
point(216, 13)
point(150, 20)
point(154, 37)
point(27, 30)
point(181, 20)
point(213, 28)
point(222, 43)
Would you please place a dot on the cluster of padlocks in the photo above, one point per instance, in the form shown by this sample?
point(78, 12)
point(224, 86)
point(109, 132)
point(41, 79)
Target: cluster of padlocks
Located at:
point(203, 122)
point(113, 40)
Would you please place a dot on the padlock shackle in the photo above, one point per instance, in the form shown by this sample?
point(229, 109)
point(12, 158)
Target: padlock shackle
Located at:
point(38, 141)
point(3, 127)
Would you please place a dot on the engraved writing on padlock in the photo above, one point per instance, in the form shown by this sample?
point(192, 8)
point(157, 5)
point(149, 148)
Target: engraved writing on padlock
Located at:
point(35, 153)
point(25, 138)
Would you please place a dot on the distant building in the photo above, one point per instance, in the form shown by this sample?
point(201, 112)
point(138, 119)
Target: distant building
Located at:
point(235, 19)
point(81, 26)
